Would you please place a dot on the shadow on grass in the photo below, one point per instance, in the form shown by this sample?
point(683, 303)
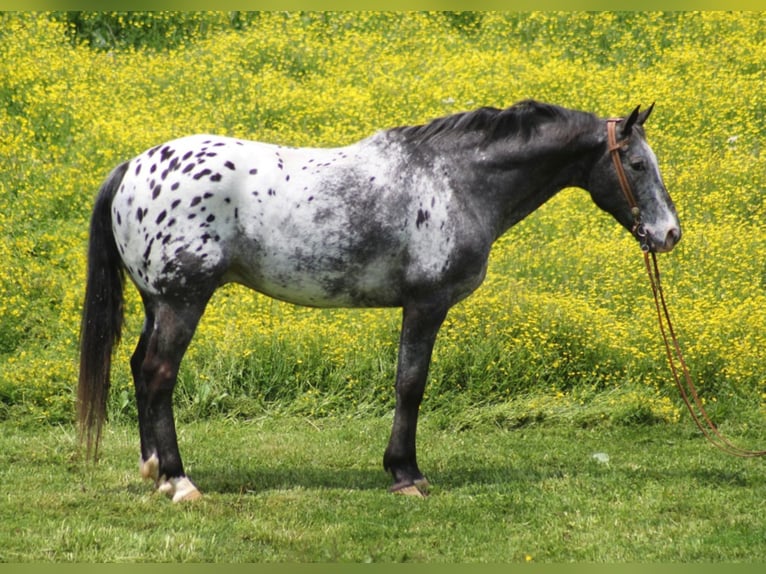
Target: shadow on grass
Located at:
point(227, 480)
point(243, 480)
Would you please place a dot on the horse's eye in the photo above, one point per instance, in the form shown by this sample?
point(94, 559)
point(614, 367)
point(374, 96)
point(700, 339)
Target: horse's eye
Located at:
point(637, 163)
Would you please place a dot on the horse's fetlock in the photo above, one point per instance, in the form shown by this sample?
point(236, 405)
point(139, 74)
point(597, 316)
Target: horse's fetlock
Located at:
point(150, 468)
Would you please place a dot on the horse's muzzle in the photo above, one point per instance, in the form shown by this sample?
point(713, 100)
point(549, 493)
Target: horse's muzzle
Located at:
point(651, 242)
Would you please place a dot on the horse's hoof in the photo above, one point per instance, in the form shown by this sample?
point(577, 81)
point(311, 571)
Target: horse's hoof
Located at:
point(180, 489)
point(184, 490)
point(187, 496)
point(410, 490)
point(418, 488)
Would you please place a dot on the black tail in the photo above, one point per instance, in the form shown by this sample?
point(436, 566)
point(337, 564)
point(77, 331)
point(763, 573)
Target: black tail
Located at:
point(102, 314)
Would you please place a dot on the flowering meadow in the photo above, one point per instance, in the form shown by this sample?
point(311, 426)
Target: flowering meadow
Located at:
point(564, 326)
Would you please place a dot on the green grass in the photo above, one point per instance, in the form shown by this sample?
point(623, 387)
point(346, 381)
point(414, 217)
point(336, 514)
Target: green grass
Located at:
point(293, 489)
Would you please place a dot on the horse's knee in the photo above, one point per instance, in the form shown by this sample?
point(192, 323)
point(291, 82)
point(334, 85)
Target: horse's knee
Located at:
point(159, 376)
point(165, 373)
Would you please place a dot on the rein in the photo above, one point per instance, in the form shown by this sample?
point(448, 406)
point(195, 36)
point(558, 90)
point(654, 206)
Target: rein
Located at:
point(675, 358)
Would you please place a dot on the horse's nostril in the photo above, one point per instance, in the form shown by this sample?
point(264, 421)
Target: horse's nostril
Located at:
point(673, 237)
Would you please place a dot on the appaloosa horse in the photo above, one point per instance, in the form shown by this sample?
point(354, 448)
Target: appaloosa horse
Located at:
point(404, 218)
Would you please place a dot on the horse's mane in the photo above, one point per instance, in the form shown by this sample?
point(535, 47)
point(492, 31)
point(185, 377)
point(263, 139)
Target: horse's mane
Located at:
point(520, 120)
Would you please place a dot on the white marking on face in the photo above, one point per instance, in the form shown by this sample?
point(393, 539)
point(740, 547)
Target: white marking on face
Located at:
point(659, 219)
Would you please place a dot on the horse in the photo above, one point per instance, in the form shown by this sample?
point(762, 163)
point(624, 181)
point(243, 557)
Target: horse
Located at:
point(403, 218)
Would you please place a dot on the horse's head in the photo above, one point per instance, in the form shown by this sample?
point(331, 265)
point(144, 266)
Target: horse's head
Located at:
point(640, 202)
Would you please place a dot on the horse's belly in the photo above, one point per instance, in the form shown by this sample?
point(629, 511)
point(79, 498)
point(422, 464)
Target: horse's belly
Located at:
point(328, 279)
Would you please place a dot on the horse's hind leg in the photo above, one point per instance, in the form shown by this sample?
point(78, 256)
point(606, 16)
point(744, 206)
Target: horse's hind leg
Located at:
point(167, 333)
point(149, 464)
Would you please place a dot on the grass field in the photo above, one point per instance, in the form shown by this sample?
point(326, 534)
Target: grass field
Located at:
point(292, 489)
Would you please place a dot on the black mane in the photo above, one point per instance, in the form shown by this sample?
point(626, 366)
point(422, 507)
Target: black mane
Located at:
point(521, 119)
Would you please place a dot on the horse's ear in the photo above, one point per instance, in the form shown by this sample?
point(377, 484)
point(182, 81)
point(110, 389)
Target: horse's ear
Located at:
point(643, 115)
point(627, 126)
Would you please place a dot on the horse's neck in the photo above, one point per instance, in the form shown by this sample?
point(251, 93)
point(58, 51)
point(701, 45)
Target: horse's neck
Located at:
point(520, 177)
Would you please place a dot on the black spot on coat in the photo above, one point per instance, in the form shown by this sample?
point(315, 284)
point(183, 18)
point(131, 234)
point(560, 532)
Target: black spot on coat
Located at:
point(167, 153)
point(423, 216)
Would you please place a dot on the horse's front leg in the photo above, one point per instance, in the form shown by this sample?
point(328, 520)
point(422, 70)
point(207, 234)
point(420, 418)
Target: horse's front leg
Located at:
point(420, 325)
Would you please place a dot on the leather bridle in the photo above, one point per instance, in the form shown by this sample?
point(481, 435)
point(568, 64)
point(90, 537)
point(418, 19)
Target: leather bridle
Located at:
point(638, 229)
point(686, 387)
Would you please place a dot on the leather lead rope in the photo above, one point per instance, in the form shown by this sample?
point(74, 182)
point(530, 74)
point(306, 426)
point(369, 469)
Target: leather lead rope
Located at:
point(675, 358)
point(688, 392)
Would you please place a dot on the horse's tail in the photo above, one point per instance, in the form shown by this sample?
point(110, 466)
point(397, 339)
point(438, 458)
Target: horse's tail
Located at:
point(102, 315)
